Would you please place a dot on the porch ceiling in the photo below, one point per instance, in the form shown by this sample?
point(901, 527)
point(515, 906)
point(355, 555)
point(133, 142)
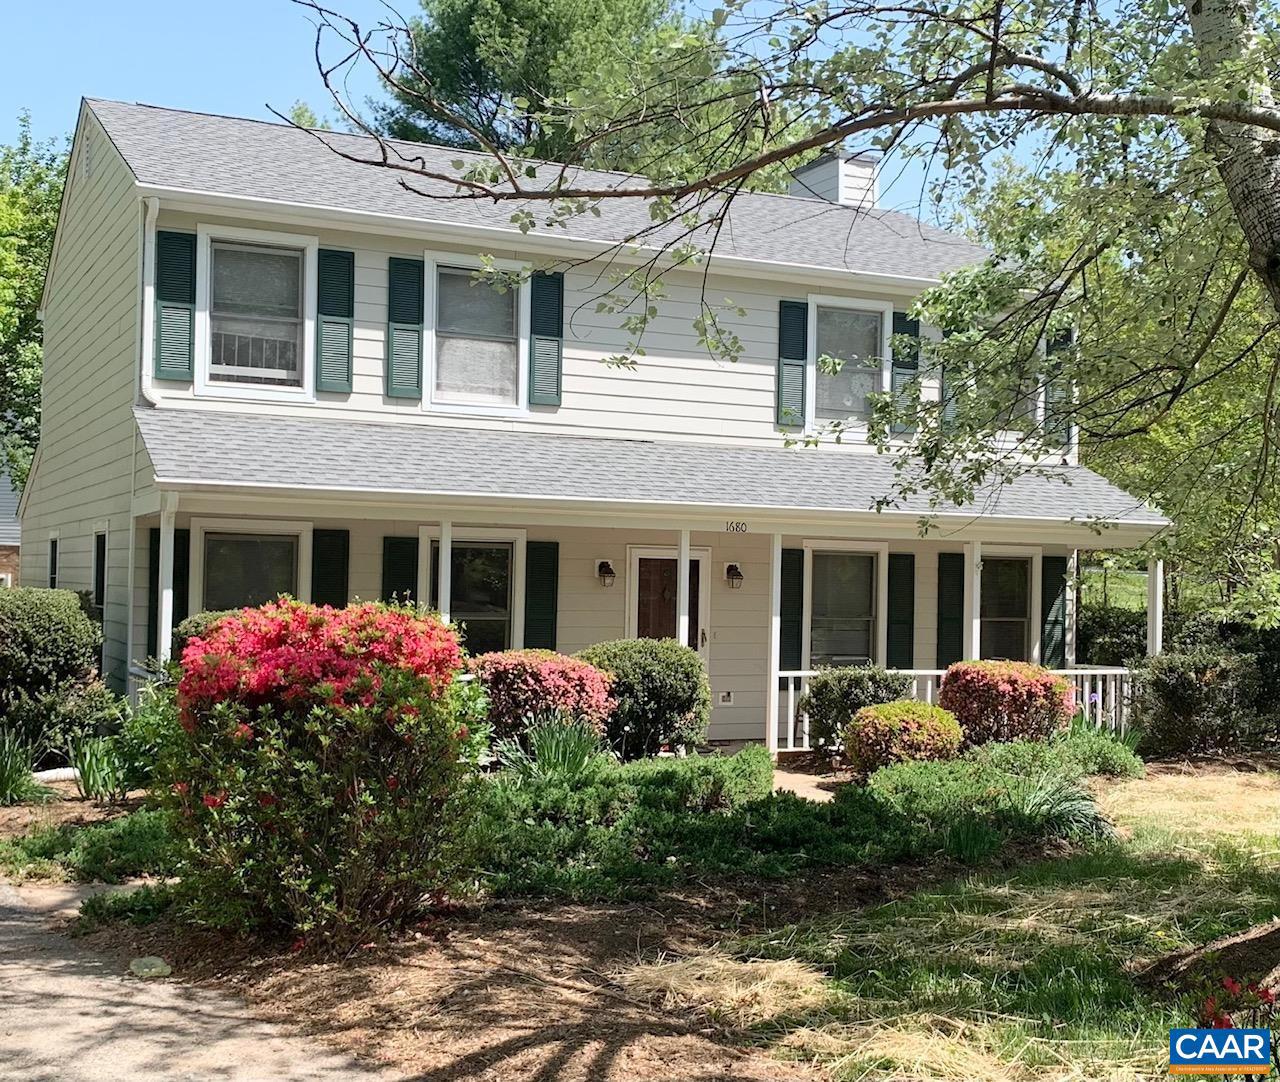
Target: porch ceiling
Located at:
point(206, 450)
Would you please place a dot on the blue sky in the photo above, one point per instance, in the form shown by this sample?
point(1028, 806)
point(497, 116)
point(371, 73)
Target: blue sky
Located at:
point(233, 56)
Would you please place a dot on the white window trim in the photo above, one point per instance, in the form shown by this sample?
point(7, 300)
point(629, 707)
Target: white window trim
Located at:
point(290, 527)
point(880, 550)
point(860, 304)
point(635, 553)
point(517, 540)
point(206, 236)
point(433, 260)
point(1036, 556)
point(52, 578)
point(103, 528)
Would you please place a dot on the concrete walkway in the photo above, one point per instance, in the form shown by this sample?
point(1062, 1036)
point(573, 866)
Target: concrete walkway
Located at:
point(72, 1016)
point(810, 786)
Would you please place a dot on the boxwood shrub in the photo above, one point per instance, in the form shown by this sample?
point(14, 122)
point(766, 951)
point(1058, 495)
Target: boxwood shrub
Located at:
point(899, 732)
point(662, 693)
point(1199, 701)
point(835, 695)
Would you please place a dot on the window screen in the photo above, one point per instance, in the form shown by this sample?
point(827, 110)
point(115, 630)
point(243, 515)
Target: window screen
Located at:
point(854, 338)
point(256, 316)
point(842, 629)
point(248, 569)
point(476, 341)
point(1006, 609)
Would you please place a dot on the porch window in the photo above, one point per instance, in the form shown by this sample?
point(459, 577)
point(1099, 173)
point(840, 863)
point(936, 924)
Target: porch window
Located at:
point(255, 315)
point(248, 569)
point(854, 337)
point(479, 592)
point(477, 356)
point(1006, 609)
point(842, 626)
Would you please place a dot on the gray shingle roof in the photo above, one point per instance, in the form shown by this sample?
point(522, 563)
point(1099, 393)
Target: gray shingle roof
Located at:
point(258, 160)
point(10, 533)
point(422, 459)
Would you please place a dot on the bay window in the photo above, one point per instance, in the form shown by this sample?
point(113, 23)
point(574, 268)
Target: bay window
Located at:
point(477, 359)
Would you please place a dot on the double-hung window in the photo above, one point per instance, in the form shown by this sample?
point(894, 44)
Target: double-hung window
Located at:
point(848, 350)
point(477, 341)
point(843, 606)
point(1006, 609)
point(481, 581)
point(256, 315)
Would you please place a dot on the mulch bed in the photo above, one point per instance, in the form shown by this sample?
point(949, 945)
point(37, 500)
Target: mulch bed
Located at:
point(63, 807)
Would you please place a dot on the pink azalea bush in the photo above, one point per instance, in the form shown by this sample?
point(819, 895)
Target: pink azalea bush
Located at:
point(899, 732)
point(1006, 700)
point(314, 767)
point(523, 684)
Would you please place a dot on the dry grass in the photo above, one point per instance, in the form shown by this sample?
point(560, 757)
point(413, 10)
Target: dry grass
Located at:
point(1198, 803)
point(728, 992)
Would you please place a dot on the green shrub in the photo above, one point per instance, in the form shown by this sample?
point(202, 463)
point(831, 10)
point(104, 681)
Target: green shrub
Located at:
point(556, 747)
point(835, 695)
point(143, 843)
point(1006, 700)
point(100, 769)
point(51, 720)
point(317, 774)
point(148, 733)
point(704, 783)
point(140, 906)
point(1110, 635)
point(662, 693)
point(525, 685)
point(1198, 702)
point(17, 761)
point(1079, 752)
point(197, 625)
point(899, 732)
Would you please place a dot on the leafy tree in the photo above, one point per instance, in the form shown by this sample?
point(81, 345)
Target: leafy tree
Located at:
point(31, 176)
point(1120, 161)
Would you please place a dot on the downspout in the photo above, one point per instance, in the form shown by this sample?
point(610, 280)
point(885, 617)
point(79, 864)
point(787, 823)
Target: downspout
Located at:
point(146, 270)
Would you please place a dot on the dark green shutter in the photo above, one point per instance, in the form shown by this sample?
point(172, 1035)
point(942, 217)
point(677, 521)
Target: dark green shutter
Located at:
point(950, 608)
point(546, 338)
point(791, 641)
point(175, 308)
point(181, 583)
point(905, 365)
point(330, 563)
point(1057, 393)
point(902, 611)
point(541, 593)
point(400, 569)
point(335, 310)
point(404, 327)
point(793, 358)
point(1053, 612)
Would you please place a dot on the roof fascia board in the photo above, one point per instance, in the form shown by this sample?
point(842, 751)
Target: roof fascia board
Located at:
point(284, 210)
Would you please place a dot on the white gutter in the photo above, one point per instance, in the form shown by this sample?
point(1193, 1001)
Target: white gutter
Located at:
point(196, 200)
point(147, 291)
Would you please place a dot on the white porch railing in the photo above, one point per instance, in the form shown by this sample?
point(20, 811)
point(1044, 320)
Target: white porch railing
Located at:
point(1102, 695)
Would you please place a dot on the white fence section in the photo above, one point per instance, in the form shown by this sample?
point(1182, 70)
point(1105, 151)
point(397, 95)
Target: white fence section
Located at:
point(1102, 695)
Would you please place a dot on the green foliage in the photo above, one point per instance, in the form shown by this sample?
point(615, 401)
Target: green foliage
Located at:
point(31, 176)
point(148, 733)
point(835, 695)
point(139, 906)
point(198, 624)
point(1197, 702)
point(898, 732)
point(101, 773)
point(554, 747)
point(662, 692)
point(1110, 634)
point(1082, 751)
point(17, 761)
point(142, 843)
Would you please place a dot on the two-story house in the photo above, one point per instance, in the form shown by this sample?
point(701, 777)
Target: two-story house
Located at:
point(269, 369)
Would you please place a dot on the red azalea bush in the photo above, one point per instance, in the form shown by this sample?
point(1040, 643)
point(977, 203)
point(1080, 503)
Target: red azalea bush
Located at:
point(314, 767)
point(1006, 700)
point(899, 732)
point(523, 684)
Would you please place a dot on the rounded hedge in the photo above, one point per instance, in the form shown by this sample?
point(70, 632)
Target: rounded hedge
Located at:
point(835, 695)
point(45, 640)
point(525, 685)
point(1196, 702)
point(1006, 700)
point(662, 692)
point(903, 731)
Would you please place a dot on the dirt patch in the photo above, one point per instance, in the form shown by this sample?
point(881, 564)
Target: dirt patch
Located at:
point(63, 807)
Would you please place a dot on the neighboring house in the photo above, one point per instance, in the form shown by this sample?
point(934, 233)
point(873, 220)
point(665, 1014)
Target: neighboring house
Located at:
point(267, 370)
point(10, 532)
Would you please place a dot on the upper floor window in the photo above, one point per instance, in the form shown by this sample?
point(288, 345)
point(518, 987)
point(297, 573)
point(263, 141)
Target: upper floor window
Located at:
point(256, 316)
point(477, 358)
point(854, 337)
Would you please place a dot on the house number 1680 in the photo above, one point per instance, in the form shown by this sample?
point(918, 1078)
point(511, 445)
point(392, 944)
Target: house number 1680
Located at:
point(735, 527)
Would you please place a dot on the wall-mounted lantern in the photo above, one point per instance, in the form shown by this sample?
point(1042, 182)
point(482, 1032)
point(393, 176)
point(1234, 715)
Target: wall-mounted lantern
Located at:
point(605, 572)
point(733, 576)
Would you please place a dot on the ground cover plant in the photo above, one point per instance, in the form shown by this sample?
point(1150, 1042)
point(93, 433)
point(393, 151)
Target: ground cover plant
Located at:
point(143, 843)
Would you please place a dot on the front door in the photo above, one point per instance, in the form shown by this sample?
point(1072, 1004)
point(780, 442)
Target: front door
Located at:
point(654, 594)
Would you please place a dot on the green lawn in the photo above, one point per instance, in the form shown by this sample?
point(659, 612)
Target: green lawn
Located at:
point(1029, 975)
point(1124, 589)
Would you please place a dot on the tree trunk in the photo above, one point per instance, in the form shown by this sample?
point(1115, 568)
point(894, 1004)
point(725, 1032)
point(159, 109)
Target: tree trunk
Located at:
point(1248, 159)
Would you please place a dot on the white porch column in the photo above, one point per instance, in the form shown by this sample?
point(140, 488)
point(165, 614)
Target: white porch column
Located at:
point(164, 606)
point(972, 600)
point(1155, 606)
point(682, 589)
point(775, 644)
point(444, 584)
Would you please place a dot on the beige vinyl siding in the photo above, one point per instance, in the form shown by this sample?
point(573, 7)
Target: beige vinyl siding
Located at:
point(83, 474)
point(675, 391)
